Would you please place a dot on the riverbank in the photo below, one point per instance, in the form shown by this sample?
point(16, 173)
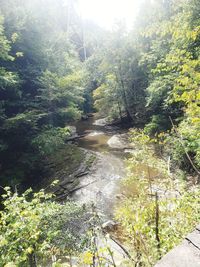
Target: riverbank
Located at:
point(91, 165)
point(95, 176)
point(68, 167)
point(143, 198)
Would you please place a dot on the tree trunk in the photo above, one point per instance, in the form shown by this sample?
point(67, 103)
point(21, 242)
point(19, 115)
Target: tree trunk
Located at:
point(125, 99)
point(157, 224)
point(32, 260)
point(120, 112)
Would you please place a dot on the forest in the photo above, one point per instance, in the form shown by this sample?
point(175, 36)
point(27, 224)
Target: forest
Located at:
point(59, 70)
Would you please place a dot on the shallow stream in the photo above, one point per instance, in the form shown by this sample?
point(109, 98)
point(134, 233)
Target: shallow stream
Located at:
point(102, 184)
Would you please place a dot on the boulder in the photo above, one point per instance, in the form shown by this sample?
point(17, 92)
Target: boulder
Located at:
point(101, 122)
point(84, 117)
point(73, 133)
point(95, 133)
point(187, 254)
point(119, 141)
point(109, 225)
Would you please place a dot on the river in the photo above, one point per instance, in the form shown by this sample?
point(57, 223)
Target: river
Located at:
point(108, 170)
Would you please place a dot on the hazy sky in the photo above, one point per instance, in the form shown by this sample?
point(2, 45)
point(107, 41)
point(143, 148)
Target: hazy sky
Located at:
point(106, 12)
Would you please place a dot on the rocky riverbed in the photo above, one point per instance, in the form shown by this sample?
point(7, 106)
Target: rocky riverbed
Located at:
point(108, 144)
point(97, 168)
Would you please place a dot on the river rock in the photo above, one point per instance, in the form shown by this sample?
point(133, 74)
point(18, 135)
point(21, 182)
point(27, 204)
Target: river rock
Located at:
point(84, 117)
point(129, 151)
point(109, 225)
point(95, 133)
point(73, 132)
point(187, 254)
point(119, 141)
point(101, 122)
point(119, 196)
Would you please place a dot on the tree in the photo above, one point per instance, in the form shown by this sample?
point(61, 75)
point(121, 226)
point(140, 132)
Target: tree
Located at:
point(41, 85)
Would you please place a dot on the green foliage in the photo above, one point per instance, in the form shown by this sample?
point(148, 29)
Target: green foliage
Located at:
point(22, 120)
point(5, 45)
point(61, 97)
point(173, 89)
point(150, 75)
point(186, 139)
point(50, 140)
point(158, 124)
point(35, 228)
point(121, 80)
point(158, 210)
point(7, 79)
point(106, 98)
point(40, 83)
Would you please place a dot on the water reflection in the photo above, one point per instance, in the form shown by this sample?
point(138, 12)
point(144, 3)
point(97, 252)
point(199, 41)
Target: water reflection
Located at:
point(95, 136)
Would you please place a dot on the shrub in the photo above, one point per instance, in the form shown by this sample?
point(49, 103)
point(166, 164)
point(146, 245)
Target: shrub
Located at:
point(34, 228)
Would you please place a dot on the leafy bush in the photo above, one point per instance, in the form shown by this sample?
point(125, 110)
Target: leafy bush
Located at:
point(50, 140)
point(158, 209)
point(34, 228)
point(184, 139)
point(158, 124)
point(68, 114)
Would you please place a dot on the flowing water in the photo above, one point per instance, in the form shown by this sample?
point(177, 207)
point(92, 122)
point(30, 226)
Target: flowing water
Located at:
point(102, 184)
